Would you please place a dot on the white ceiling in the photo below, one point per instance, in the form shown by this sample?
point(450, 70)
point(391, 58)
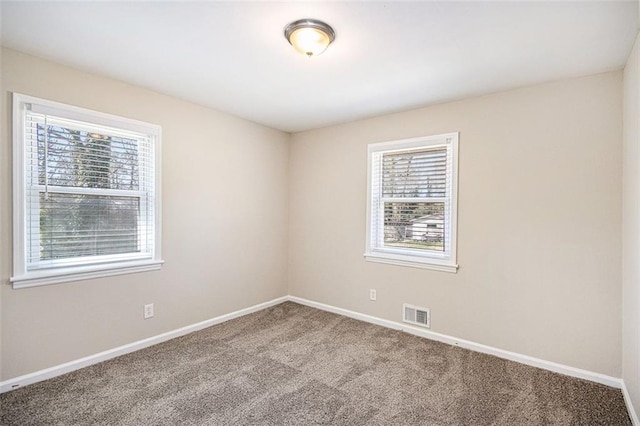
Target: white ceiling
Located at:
point(387, 56)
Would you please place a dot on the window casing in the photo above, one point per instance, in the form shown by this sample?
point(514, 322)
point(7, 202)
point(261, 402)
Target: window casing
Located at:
point(86, 193)
point(412, 202)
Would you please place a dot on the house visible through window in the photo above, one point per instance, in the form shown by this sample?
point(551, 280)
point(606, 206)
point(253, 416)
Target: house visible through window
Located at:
point(86, 193)
point(412, 202)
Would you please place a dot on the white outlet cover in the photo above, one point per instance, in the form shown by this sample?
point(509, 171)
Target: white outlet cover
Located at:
point(148, 311)
point(373, 294)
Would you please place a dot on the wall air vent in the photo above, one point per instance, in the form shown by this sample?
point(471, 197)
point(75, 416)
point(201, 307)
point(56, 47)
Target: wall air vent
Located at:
point(416, 315)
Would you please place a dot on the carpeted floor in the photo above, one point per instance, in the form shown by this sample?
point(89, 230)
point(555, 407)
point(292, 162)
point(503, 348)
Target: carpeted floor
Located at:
point(294, 365)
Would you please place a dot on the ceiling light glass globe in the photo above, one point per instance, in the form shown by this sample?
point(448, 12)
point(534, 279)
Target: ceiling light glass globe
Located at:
point(309, 41)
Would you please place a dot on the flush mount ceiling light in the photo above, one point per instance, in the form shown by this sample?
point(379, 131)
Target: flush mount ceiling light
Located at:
point(309, 36)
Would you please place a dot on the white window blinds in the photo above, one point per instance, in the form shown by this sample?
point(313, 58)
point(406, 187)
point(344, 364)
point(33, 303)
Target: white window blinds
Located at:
point(89, 191)
point(412, 197)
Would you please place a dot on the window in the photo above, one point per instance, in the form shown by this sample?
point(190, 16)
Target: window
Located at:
point(86, 193)
point(412, 202)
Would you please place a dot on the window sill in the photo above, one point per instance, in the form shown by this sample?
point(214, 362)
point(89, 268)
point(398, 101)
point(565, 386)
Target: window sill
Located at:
point(63, 275)
point(413, 262)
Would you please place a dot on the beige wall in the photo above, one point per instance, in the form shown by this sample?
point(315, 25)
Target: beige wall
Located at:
point(631, 228)
point(223, 179)
point(539, 233)
point(539, 230)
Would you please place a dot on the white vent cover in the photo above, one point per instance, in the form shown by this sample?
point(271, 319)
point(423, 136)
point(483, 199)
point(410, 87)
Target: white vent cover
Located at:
point(416, 315)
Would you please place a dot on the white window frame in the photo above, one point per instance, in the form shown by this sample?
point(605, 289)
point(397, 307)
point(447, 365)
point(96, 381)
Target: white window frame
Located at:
point(417, 258)
point(80, 268)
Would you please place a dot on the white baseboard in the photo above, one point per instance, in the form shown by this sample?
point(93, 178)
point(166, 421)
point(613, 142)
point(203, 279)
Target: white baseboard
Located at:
point(68, 367)
point(141, 344)
point(478, 347)
point(630, 408)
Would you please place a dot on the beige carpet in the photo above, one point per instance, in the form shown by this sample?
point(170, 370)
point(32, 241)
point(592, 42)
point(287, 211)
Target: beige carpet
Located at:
point(294, 365)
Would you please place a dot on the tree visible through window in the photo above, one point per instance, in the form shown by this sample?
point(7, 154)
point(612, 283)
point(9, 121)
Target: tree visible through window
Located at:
point(409, 176)
point(86, 224)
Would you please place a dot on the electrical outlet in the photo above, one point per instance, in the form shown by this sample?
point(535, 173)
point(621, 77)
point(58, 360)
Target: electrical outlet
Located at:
point(372, 294)
point(148, 311)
